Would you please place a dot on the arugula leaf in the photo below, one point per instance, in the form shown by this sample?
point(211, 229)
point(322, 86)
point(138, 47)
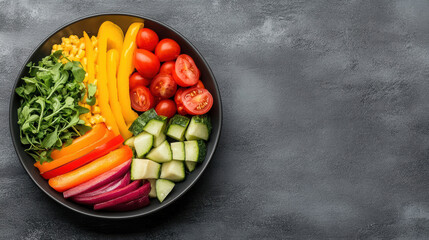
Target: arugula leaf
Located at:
point(49, 112)
point(78, 72)
point(50, 139)
point(82, 128)
point(91, 101)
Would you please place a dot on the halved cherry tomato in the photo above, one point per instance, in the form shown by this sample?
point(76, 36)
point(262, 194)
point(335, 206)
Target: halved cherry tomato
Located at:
point(197, 101)
point(167, 50)
point(138, 80)
point(166, 107)
point(179, 102)
point(146, 63)
point(141, 99)
point(147, 39)
point(163, 86)
point(185, 71)
point(167, 67)
point(199, 84)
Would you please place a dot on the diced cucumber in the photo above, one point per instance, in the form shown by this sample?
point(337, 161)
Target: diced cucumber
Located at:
point(163, 188)
point(138, 125)
point(152, 193)
point(173, 170)
point(144, 169)
point(161, 154)
point(157, 140)
point(190, 166)
point(156, 126)
point(143, 143)
point(178, 150)
point(199, 128)
point(130, 142)
point(195, 150)
point(177, 127)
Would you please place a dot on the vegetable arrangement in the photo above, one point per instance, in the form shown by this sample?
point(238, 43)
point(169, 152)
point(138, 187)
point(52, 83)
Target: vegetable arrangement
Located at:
point(115, 119)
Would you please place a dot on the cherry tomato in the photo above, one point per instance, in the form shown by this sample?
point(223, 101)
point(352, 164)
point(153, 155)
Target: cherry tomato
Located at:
point(166, 107)
point(138, 80)
point(167, 67)
point(178, 96)
point(167, 50)
point(146, 63)
point(199, 84)
point(147, 39)
point(163, 86)
point(179, 102)
point(185, 72)
point(197, 101)
point(181, 110)
point(141, 99)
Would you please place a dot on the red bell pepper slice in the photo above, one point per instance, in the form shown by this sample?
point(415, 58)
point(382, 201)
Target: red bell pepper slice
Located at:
point(96, 153)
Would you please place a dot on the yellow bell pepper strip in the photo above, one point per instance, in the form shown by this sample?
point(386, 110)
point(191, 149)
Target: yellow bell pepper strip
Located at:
point(107, 33)
point(112, 66)
point(90, 67)
point(126, 67)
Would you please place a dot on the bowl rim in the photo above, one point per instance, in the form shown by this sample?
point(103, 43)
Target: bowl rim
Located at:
point(100, 214)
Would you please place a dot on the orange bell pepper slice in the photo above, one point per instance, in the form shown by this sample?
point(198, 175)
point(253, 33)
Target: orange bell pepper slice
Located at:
point(71, 179)
point(91, 136)
point(68, 158)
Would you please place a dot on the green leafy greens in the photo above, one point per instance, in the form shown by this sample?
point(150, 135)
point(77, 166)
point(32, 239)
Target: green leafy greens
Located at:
point(48, 115)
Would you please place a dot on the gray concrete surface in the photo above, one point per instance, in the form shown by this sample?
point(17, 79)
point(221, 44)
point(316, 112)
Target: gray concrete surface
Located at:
point(326, 127)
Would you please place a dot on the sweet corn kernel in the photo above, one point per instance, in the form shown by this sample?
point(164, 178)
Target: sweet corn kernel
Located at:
point(96, 109)
point(74, 49)
point(80, 53)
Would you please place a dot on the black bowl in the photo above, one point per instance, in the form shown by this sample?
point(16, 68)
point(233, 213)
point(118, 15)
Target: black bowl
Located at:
point(91, 24)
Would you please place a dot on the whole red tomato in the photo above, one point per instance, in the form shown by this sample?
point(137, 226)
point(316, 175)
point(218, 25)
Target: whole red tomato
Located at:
point(167, 50)
point(146, 63)
point(138, 80)
point(147, 39)
point(167, 67)
point(166, 107)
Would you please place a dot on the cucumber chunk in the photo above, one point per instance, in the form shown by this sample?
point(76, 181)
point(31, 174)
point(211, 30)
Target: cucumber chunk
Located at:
point(195, 150)
point(161, 154)
point(173, 170)
point(155, 126)
point(199, 128)
point(177, 127)
point(163, 188)
point(178, 150)
point(130, 142)
point(190, 166)
point(143, 143)
point(152, 193)
point(139, 124)
point(144, 169)
point(157, 140)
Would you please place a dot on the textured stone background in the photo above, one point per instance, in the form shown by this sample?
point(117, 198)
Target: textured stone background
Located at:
point(326, 127)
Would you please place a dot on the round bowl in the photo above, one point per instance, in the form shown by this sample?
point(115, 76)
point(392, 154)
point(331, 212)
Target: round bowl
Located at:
point(91, 24)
